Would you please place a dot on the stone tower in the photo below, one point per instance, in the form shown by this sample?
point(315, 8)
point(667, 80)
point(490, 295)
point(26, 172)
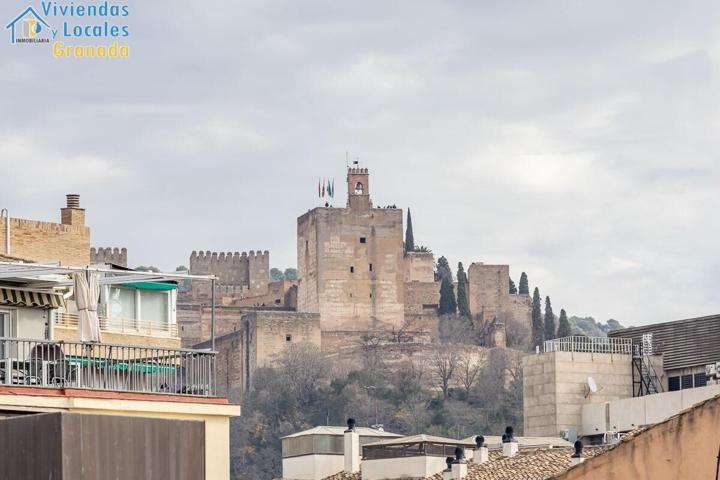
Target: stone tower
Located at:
point(350, 264)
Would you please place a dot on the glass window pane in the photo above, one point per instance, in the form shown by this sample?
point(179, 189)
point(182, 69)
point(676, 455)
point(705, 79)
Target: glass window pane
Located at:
point(154, 306)
point(674, 384)
point(122, 303)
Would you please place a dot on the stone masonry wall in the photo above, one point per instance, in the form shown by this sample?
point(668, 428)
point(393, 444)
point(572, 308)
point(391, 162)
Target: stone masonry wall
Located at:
point(350, 265)
point(489, 294)
point(116, 256)
point(47, 242)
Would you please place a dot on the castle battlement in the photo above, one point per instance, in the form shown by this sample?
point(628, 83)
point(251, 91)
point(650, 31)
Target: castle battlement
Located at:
point(116, 256)
point(357, 171)
point(250, 270)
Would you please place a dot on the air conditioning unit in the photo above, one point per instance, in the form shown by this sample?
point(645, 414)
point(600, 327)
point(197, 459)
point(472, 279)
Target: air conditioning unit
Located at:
point(711, 370)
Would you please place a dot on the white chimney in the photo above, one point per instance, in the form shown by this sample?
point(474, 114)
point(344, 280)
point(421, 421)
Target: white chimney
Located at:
point(459, 471)
point(352, 448)
point(578, 457)
point(510, 446)
point(480, 453)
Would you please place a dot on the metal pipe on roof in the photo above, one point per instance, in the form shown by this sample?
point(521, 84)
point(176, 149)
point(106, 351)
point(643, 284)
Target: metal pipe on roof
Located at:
point(4, 213)
point(212, 316)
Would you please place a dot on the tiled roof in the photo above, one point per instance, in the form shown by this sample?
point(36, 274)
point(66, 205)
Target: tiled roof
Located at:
point(539, 464)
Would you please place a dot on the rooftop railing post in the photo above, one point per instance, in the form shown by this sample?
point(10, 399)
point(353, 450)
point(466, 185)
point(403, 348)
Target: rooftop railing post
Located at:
point(212, 316)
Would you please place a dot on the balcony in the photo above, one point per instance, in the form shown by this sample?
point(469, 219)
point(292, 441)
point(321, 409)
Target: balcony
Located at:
point(108, 367)
point(120, 325)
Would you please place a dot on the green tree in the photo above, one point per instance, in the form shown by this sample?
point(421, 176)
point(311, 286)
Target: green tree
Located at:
point(524, 287)
point(442, 270)
point(149, 268)
point(291, 274)
point(409, 238)
point(538, 329)
point(448, 304)
point(564, 329)
point(462, 294)
point(513, 288)
point(276, 274)
point(549, 320)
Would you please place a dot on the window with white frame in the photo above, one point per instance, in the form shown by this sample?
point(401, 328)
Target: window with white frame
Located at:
point(139, 305)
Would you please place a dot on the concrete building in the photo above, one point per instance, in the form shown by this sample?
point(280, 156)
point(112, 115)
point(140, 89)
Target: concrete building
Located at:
point(682, 446)
point(599, 389)
point(321, 451)
point(686, 346)
point(136, 369)
point(556, 385)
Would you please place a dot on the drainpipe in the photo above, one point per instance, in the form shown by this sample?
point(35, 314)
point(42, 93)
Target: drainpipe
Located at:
point(4, 213)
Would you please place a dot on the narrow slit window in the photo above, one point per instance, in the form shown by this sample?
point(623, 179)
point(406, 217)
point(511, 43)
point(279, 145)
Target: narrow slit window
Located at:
point(371, 267)
point(363, 239)
point(288, 338)
point(352, 269)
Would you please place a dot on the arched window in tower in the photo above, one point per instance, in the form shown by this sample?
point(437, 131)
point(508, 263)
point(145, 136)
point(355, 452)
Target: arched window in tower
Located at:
point(358, 188)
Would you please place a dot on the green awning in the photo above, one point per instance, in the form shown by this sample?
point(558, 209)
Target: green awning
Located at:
point(162, 286)
point(142, 367)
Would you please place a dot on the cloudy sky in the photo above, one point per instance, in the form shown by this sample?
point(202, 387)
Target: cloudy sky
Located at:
point(576, 141)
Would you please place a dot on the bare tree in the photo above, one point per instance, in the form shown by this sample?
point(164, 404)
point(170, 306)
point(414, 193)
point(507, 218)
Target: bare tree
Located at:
point(469, 368)
point(304, 367)
point(444, 363)
point(517, 334)
point(370, 348)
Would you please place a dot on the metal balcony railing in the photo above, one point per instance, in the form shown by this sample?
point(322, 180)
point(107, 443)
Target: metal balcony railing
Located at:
point(120, 325)
point(621, 346)
point(92, 366)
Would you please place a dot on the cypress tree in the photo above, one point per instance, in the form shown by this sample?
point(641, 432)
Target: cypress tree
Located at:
point(409, 238)
point(442, 270)
point(524, 288)
point(538, 329)
point(564, 328)
point(448, 304)
point(549, 320)
point(513, 288)
point(462, 296)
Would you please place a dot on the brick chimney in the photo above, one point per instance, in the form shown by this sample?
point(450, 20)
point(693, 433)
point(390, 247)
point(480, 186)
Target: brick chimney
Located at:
point(73, 214)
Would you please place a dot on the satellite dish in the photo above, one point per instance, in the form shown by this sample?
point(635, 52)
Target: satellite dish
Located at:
point(592, 386)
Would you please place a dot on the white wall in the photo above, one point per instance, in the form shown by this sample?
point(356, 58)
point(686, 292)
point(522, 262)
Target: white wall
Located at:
point(629, 413)
point(31, 323)
point(412, 467)
point(312, 467)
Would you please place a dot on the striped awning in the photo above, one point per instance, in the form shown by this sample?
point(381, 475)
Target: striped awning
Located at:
point(25, 298)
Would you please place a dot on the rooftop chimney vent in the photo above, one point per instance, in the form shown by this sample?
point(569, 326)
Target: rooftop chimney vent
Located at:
point(73, 200)
point(449, 461)
point(479, 441)
point(351, 425)
point(508, 435)
point(578, 449)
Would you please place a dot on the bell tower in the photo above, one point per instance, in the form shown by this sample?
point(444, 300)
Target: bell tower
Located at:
point(358, 184)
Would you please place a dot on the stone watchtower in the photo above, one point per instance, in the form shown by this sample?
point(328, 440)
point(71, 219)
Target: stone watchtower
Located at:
point(350, 264)
point(358, 182)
